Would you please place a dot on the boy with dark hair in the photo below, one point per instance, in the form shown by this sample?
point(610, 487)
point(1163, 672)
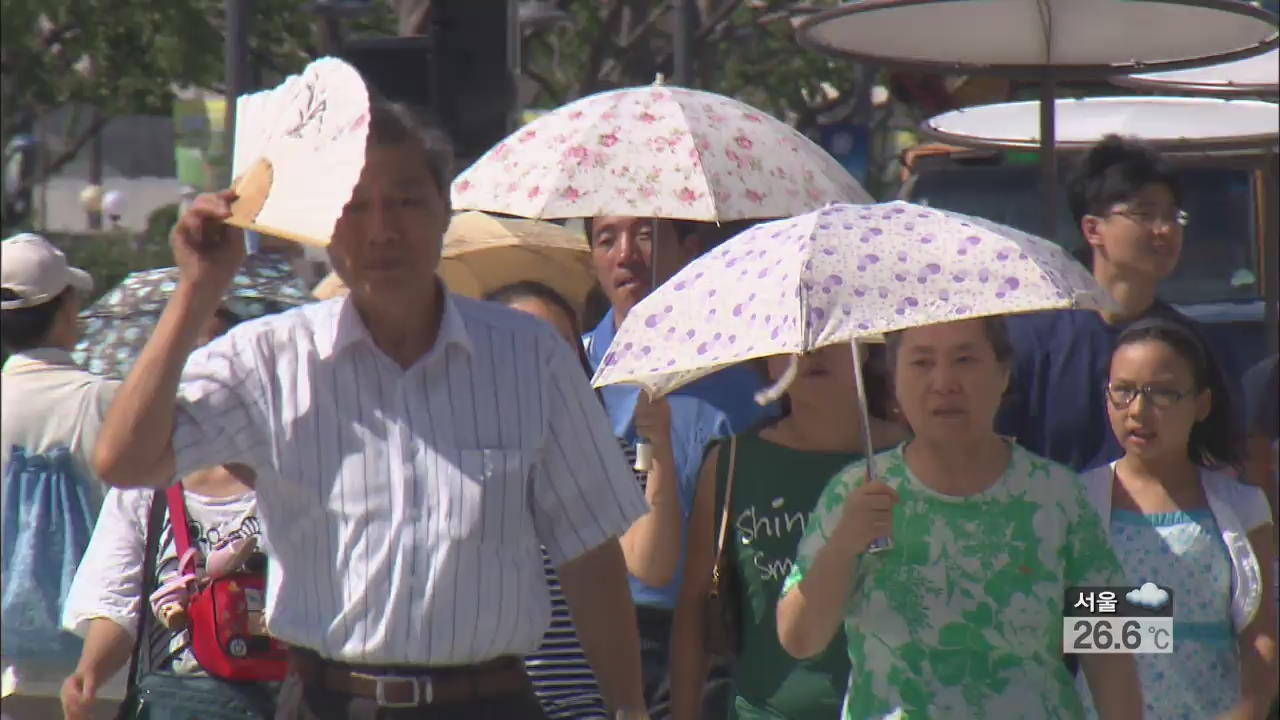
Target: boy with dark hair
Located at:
point(1127, 203)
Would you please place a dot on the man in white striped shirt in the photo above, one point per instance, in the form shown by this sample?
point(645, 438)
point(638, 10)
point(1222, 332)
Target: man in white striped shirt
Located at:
point(412, 448)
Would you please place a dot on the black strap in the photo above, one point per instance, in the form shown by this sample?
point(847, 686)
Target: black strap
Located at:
point(155, 523)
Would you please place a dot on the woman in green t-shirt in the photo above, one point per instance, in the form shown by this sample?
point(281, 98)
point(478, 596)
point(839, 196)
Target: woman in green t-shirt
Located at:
point(778, 473)
point(962, 617)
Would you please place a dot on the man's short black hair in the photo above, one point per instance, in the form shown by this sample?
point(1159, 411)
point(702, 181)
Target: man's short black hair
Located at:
point(1114, 171)
point(397, 124)
point(709, 234)
point(27, 328)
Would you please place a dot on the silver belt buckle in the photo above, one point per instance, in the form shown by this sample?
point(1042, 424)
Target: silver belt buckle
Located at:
point(423, 692)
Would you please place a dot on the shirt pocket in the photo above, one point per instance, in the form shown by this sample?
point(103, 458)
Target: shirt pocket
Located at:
point(485, 502)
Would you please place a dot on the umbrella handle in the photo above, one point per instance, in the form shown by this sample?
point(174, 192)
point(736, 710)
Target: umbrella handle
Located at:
point(770, 395)
point(879, 544)
point(644, 455)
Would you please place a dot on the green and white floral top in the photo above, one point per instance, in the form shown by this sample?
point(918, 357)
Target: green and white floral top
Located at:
point(962, 618)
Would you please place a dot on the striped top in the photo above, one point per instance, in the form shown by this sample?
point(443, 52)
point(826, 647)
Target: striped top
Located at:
point(561, 676)
point(404, 509)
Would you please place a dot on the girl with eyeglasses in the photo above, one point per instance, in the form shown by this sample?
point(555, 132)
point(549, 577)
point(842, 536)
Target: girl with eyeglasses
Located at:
point(1179, 517)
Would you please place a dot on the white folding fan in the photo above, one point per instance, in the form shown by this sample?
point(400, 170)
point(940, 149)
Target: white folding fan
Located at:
point(299, 152)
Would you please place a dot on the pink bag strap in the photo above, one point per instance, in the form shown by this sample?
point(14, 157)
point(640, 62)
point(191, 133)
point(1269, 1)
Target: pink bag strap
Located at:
point(178, 520)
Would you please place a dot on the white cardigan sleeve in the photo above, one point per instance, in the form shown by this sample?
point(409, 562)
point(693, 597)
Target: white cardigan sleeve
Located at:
point(108, 582)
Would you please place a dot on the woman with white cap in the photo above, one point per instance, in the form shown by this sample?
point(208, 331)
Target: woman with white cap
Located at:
point(51, 412)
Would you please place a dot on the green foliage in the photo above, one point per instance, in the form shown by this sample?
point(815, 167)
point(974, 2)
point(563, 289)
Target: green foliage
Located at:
point(744, 49)
point(126, 56)
point(110, 256)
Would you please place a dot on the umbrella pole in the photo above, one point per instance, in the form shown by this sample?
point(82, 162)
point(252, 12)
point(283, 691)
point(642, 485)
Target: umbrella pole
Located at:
point(1048, 161)
point(868, 449)
point(644, 449)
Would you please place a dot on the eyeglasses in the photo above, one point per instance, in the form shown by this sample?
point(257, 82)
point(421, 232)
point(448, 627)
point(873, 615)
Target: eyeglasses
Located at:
point(1179, 218)
point(1122, 396)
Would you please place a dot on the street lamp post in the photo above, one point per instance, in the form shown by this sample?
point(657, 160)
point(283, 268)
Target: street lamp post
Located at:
point(686, 13)
point(236, 58)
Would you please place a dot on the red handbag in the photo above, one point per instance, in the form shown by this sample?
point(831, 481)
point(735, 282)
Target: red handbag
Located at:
point(228, 634)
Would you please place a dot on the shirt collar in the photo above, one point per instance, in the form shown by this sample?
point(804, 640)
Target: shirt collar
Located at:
point(597, 341)
point(347, 328)
point(38, 356)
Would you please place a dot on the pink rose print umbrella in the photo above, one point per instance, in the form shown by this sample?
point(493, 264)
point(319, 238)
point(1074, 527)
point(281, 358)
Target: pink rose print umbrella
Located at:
point(660, 152)
point(832, 276)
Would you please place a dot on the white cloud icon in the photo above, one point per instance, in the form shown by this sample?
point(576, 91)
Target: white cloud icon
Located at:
point(1148, 596)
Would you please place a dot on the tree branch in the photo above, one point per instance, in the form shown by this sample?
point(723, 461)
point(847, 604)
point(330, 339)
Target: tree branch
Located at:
point(543, 81)
point(91, 131)
point(721, 15)
point(710, 28)
point(626, 46)
point(595, 56)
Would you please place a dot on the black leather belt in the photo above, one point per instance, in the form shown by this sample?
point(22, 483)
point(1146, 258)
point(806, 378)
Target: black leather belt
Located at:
point(413, 686)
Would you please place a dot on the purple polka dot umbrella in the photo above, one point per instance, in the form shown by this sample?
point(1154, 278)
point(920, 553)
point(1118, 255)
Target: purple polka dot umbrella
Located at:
point(832, 276)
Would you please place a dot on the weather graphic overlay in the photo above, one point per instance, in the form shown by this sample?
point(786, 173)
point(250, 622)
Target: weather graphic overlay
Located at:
point(1121, 619)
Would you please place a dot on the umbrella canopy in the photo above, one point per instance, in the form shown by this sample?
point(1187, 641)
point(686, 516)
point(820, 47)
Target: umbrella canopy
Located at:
point(657, 151)
point(1169, 123)
point(832, 276)
point(483, 253)
point(1257, 75)
point(119, 323)
point(1088, 38)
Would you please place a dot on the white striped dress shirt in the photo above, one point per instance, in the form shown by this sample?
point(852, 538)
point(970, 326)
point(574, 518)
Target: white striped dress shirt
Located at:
point(403, 509)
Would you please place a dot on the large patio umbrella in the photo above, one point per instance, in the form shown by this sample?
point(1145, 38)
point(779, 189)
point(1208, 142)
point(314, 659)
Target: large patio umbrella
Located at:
point(1256, 75)
point(1173, 124)
point(1044, 39)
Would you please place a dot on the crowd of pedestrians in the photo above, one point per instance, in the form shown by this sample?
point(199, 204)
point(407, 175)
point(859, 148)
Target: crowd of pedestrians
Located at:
point(446, 520)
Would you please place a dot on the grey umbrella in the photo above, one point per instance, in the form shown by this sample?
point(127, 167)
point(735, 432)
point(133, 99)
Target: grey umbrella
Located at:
point(119, 323)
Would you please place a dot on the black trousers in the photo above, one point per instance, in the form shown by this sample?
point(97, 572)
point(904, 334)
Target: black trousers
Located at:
point(302, 698)
point(655, 668)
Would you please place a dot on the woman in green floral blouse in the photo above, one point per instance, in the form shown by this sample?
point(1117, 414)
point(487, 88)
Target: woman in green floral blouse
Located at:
point(962, 618)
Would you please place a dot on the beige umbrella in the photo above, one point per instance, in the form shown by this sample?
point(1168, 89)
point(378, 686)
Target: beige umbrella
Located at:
point(483, 253)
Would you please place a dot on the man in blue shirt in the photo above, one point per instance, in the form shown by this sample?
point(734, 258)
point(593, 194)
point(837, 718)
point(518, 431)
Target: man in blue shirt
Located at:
point(623, 254)
point(1128, 205)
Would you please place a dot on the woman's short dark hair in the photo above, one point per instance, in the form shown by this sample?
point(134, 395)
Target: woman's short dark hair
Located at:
point(396, 124)
point(29, 327)
point(875, 379)
point(1113, 172)
point(1213, 441)
point(532, 290)
point(993, 327)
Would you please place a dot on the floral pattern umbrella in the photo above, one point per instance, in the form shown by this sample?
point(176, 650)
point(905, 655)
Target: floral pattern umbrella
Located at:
point(832, 276)
point(119, 323)
point(657, 151)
